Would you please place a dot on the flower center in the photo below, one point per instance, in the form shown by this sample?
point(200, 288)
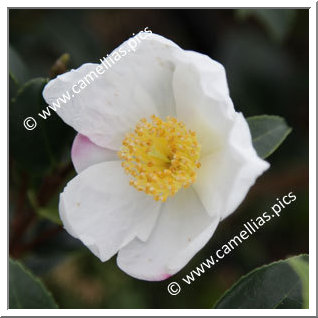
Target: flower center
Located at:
point(160, 156)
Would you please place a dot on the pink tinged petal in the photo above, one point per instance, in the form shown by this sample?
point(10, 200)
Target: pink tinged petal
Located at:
point(100, 208)
point(165, 276)
point(85, 153)
point(182, 229)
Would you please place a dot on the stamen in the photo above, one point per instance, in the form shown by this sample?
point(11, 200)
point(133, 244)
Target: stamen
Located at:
point(161, 157)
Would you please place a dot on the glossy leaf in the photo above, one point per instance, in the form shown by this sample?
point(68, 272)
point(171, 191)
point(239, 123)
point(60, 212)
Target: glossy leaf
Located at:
point(277, 285)
point(27, 291)
point(301, 267)
point(268, 133)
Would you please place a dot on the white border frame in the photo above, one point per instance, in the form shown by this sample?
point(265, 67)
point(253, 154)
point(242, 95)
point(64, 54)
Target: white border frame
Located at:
point(312, 160)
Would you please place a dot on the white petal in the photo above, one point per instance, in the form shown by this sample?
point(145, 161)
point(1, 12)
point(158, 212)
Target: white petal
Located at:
point(100, 208)
point(202, 99)
point(229, 163)
point(226, 175)
point(138, 85)
point(85, 153)
point(182, 229)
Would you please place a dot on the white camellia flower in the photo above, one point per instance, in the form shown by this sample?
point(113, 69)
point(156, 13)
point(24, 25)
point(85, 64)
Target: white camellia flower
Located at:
point(161, 155)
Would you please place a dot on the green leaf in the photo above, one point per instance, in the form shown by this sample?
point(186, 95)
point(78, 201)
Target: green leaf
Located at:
point(301, 267)
point(17, 69)
point(29, 147)
point(27, 291)
point(268, 133)
point(18, 72)
point(277, 285)
point(277, 22)
point(42, 148)
point(13, 87)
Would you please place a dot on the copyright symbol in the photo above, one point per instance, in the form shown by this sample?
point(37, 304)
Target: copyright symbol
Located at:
point(174, 288)
point(29, 123)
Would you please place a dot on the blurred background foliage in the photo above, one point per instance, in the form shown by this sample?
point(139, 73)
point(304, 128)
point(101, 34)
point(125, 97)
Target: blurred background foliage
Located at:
point(265, 54)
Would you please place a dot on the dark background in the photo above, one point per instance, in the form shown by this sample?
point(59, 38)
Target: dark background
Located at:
point(265, 54)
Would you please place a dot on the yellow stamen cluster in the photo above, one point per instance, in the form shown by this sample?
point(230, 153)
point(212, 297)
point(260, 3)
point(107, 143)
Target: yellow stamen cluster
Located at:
point(160, 156)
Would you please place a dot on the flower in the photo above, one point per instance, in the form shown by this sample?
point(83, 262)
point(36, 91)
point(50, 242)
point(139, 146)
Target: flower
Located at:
point(161, 155)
